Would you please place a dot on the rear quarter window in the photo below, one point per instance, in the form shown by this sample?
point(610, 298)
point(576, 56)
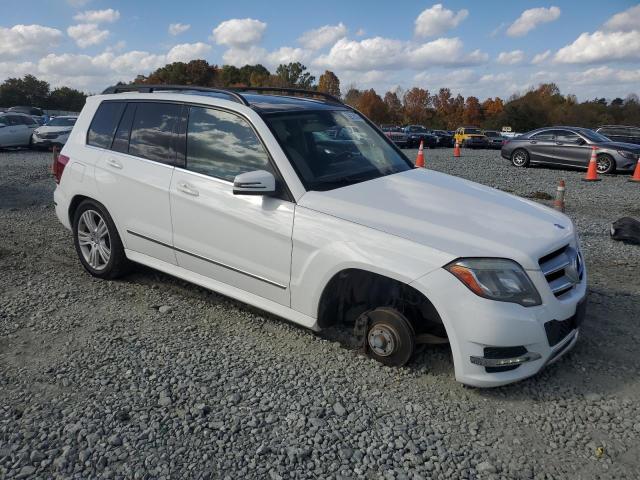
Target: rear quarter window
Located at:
point(104, 124)
point(152, 132)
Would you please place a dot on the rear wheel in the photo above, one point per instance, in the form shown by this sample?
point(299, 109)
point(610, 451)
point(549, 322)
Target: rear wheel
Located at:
point(97, 242)
point(390, 337)
point(605, 163)
point(520, 158)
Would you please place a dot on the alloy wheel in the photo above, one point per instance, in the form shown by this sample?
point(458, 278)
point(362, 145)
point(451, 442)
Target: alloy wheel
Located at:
point(94, 240)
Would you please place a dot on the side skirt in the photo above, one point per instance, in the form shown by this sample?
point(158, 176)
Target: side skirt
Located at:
point(225, 289)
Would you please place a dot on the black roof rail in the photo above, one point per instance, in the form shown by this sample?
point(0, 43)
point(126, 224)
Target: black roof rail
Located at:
point(141, 88)
point(291, 91)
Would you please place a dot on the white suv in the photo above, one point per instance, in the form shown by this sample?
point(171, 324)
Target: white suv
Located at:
point(249, 194)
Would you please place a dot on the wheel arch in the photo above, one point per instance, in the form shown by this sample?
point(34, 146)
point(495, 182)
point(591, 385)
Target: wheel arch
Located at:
point(352, 291)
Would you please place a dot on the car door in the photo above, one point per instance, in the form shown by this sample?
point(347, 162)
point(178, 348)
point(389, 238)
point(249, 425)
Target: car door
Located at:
point(20, 133)
point(134, 172)
point(571, 148)
point(7, 132)
point(540, 147)
point(240, 240)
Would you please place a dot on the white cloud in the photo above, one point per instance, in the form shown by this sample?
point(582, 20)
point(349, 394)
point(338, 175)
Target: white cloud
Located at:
point(98, 16)
point(287, 55)
point(624, 21)
point(87, 34)
point(605, 76)
point(321, 37)
point(186, 52)
point(23, 39)
point(511, 58)
point(380, 53)
point(601, 47)
point(244, 56)
point(239, 33)
point(178, 28)
point(530, 19)
point(541, 57)
point(438, 20)
point(360, 32)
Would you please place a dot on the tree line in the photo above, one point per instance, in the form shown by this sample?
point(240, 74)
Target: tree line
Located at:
point(541, 106)
point(31, 92)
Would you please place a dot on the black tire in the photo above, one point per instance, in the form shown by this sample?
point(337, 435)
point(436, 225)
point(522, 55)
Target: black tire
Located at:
point(117, 264)
point(520, 158)
point(390, 337)
point(605, 164)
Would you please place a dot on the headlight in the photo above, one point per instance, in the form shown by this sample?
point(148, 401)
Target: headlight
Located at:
point(629, 155)
point(496, 279)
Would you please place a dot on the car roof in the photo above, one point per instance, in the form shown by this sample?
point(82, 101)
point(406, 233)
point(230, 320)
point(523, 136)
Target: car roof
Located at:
point(282, 103)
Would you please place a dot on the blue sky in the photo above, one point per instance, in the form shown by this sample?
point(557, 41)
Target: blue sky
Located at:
point(489, 48)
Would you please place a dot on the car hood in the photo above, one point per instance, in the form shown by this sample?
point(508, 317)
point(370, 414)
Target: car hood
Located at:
point(47, 129)
point(620, 146)
point(449, 214)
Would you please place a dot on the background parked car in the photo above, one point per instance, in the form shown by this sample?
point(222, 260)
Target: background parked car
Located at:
point(620, 133)
point(16, 129)
point(396, 135)
point(53, 133)
point(445, 139)
point(471, 137)
point(570, 146)
point(27, 110)
point(494, 139)
point(415, 133)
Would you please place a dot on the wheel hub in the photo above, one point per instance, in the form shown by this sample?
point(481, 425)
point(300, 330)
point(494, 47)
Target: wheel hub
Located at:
point(382, 341)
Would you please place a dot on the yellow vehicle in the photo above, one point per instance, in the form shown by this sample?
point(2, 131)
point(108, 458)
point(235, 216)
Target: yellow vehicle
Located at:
point(471, 137)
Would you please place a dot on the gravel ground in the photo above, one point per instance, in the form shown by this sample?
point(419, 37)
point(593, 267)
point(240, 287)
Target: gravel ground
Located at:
point(150, 377)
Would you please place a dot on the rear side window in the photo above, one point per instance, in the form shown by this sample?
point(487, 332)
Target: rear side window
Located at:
point(153, 130)
point(566, 136)
point(547, 135)
point(222, 145)
point(104, 124)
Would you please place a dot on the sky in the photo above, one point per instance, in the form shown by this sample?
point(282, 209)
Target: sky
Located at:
point(483, 48)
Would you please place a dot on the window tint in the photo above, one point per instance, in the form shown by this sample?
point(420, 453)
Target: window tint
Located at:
point(222, 145)
point(104, 124)
point(152, 131)
point(546, 135)
point(121, 139)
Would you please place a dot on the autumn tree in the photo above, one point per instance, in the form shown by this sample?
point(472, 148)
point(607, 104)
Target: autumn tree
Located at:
point(329, 83)
point(352, 96)
point(394, 107)
point(416, 104)
point(472, 114)
point(371, 105)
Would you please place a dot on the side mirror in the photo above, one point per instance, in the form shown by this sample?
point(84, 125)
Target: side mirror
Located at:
point(258, 182)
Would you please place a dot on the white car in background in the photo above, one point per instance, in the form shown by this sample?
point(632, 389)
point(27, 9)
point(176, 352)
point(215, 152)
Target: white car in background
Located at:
point(53, 133)
point(16, 129)
point(242, 192)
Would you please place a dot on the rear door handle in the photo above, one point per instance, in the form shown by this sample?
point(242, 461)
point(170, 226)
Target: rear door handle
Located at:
point(188, 189)
point(114, 163)
point(533, 141)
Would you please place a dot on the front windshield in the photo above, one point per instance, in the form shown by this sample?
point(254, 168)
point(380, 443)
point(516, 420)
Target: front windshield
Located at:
point(334, 148)
point(593, 136)
point(61, 122)
point(472, 131)
point(417, 128)
point(491, 134)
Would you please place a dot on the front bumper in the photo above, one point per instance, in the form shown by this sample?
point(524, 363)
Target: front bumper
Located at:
point(49, 142)
point(481, 330)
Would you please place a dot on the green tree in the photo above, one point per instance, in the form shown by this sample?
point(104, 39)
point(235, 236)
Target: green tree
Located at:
point(294, 75)
point(329, 83)
point(28, 91)
point(65, 98)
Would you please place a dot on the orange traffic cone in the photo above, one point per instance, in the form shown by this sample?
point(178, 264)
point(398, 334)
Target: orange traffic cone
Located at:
point(636, 173)
point(456, 150)
point(592, 171)
point(420, 157)
point(558, 204)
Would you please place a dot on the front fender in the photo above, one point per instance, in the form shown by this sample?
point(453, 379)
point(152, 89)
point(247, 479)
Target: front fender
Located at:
point(324, 245)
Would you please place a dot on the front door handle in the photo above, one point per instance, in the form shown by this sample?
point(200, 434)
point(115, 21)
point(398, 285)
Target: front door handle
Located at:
point(533, 141)
point(114, 163)
point(188, 189)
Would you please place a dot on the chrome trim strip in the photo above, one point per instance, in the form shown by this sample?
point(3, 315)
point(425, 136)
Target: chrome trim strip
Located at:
point(559, 284)
point(505, 362)
point(214, 262)
point(555, 264)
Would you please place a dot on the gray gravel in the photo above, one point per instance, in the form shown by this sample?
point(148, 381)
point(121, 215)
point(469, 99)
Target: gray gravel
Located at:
point(150, 377)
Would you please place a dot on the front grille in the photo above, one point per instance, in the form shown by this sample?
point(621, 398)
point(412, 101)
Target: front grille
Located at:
point(503, 352)
point(557, 330)
point(563, 269)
